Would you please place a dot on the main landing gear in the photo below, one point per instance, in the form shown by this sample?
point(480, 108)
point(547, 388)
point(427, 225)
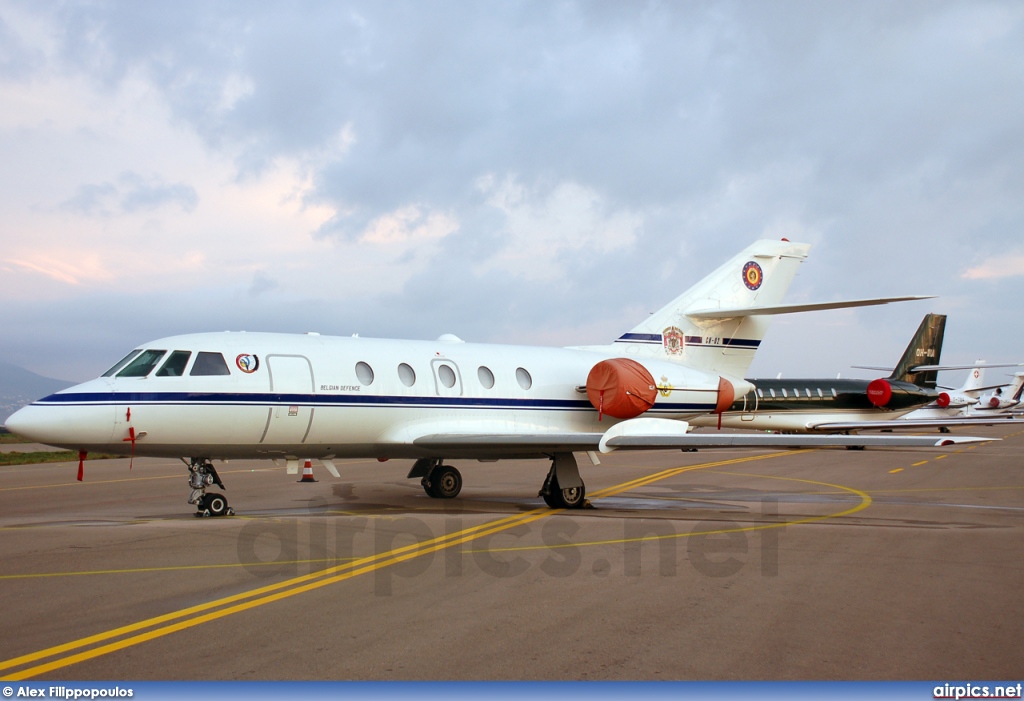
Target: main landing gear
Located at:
point(439, 481)
point(201, 475)
point(563, 488)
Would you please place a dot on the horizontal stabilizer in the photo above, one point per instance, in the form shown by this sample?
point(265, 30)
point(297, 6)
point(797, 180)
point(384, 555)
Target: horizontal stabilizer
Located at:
point(940, 368)
point(793, 308)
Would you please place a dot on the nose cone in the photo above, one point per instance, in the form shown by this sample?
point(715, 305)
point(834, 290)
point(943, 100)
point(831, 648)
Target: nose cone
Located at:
point(19, 422)
point(64, 424)
point(33, 423)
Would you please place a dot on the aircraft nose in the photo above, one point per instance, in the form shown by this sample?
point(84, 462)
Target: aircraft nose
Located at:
point(27, 423)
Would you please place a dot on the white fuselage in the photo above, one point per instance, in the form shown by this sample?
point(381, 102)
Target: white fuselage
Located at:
point(313, 396)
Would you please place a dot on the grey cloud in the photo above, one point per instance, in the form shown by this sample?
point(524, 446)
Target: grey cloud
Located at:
point(147, 194)
point(133, 193)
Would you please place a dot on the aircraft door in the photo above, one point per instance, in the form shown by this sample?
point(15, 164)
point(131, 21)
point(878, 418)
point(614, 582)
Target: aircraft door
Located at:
point(290, 415)
point(447, 378)
point(749, 405)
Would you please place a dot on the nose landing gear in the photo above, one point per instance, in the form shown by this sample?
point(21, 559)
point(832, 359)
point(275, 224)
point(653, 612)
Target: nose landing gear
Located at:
point(201, 475)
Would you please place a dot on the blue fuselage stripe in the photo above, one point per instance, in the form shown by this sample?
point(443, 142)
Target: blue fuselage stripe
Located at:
point(318, 400)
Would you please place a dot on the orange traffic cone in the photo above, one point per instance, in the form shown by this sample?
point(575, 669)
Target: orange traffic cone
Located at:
point(307, 472)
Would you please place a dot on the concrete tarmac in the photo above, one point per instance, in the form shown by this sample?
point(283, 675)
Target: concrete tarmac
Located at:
point(811, 564)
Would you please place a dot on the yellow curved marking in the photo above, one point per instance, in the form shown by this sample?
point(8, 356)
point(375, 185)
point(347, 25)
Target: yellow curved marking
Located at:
point(865, 502)
point(274, 592)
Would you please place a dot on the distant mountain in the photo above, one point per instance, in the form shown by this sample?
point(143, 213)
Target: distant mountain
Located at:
point(19, 387)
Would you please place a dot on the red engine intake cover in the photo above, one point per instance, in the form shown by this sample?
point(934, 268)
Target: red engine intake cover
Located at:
point(879, 392)
point(621, 388)
point(942, 401)
point(994, 402)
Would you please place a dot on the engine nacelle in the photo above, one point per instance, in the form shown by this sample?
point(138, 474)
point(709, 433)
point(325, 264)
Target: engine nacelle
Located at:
point(625, 388)
point(942, 401)
point(621, 388)
point(879, 392)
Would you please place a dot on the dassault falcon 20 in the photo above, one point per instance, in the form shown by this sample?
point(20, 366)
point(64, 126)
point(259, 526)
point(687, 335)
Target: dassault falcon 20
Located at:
point(211, 396)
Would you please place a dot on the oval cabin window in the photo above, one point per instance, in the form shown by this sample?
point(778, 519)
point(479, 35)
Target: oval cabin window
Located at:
point(446, 375)
point(485, 376)
point(523, 378)
point(406, 374)
point(364, 372)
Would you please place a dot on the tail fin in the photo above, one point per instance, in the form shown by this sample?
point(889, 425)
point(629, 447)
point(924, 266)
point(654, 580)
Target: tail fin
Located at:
point(758, 276)
point(1017, 386)
point(924, 349)
point(975, 379)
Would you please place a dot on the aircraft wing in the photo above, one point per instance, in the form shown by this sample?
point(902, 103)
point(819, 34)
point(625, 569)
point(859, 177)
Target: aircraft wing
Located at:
point(914, 424)
point(654, 434)
point(792, 308)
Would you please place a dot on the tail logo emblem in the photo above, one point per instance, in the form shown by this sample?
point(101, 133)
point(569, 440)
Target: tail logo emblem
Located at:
point(672, 338)
point(752, 275)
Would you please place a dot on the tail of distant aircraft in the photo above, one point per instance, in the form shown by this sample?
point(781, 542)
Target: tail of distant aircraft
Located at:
point(709, 326)
point(924, 349)
point(1017, 387)
point(975, 379)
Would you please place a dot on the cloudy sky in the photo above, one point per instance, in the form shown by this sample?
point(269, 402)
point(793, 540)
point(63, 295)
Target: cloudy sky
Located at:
point(523, 172)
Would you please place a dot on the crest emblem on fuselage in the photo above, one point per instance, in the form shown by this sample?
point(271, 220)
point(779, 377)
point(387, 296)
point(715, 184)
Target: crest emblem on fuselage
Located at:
point(752, 275)
point(672, 338)
point(247, 362)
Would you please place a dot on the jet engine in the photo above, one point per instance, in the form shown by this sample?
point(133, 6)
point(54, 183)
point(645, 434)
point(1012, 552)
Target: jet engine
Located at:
point(879, 392)
point(621, 388)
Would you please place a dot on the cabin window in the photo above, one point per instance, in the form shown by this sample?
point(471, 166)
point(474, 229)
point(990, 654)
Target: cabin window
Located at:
point(820, 395)
point(209, 364)
point(760, 394)
point(122, 362)
point(175, 365)
point(446, 375)
point(834, 393)
point(485, 376)
point(143, 364)
point(364, 372)
point(807, 392)
point(406, 374)
point(772, 392)
point(796, 393)
point(784, 393)
point(523, 378)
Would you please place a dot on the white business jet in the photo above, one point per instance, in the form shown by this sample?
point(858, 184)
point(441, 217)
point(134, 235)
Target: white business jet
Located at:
point(212, 396)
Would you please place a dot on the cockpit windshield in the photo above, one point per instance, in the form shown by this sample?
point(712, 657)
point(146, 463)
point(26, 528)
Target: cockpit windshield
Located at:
point(143, 364)
point(175, 365)
point(121, 363)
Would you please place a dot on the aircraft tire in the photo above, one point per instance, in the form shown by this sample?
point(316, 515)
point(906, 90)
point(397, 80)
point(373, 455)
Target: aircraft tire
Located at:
point(216, 504)
point(558, 498)
point(447, 482)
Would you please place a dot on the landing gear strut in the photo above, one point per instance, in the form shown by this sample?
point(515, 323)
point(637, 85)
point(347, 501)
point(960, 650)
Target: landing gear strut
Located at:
point(563, 466)
point(201, 474)
point(439, 481)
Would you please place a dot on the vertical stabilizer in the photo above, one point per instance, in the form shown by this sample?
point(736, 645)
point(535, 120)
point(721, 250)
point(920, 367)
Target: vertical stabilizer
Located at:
point(758, 276)
point(924, 349)
point(975, 380)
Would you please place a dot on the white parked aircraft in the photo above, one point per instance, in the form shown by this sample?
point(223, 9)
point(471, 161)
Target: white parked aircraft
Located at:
point(260, 395)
